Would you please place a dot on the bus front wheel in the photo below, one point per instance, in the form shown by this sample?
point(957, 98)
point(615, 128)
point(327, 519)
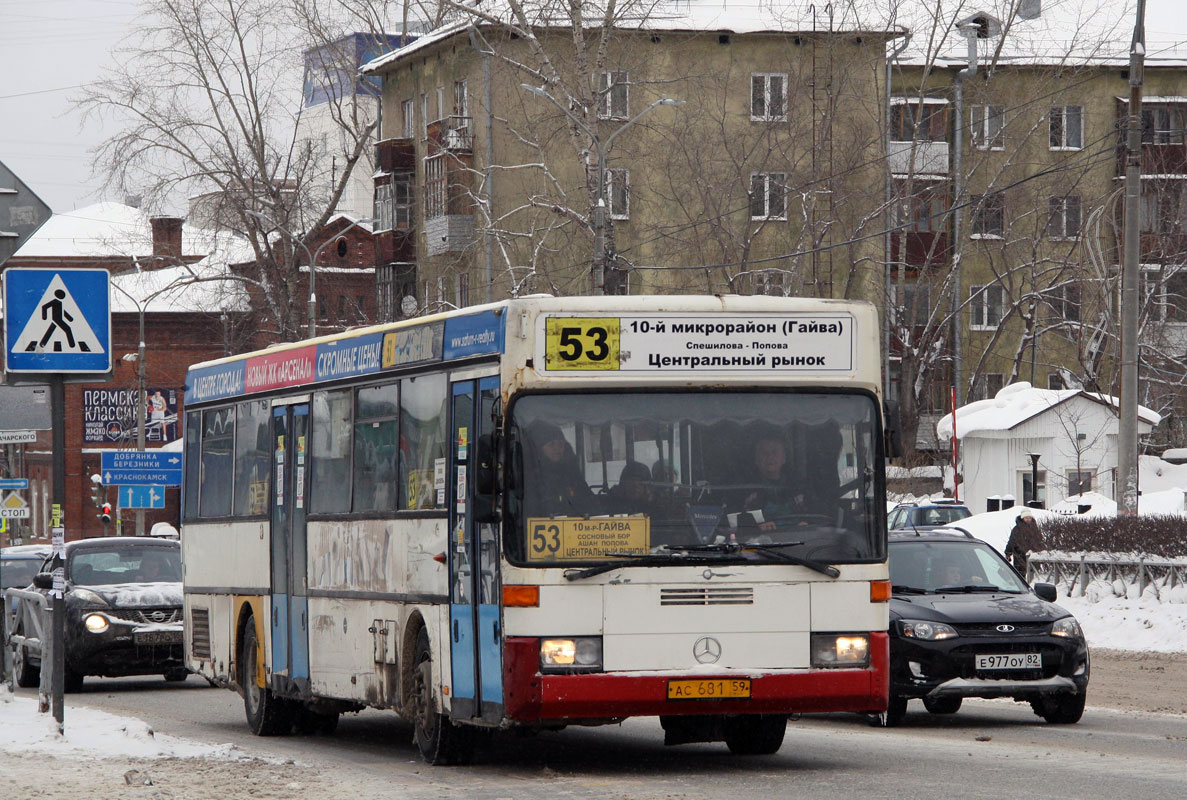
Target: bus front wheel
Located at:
point(267, 714)
point(440, 742)
point(755, 734)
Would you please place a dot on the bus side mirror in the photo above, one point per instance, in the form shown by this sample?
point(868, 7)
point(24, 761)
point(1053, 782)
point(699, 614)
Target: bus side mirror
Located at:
point(894, 444)
point(484, 475)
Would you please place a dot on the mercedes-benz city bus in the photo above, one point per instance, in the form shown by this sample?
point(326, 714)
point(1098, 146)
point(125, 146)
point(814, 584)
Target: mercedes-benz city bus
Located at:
point(546, 512)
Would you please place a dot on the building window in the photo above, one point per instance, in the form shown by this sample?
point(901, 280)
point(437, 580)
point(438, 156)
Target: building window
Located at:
point(988, 385)
point(463, 290)
point(768, 195)
point(768, 97)
point(1163, 207)
point(1065, 302)
point(401, 201)
point(1165, 290)
point(1064, 219)
point(441, 102)
point(1054, 381)
point(1029, 493)
point(923, 213)
point(1067, 127)
point(618, 193)
point(915, 122)
point(989, 213)
point(987, 306)
point(986, 124)
point(408, 115)
point(435, 188)
point(914, 304)
point(1079, 481)
point(383, 207)
point(613, 95)
point(460, 103)
point(1162, 125)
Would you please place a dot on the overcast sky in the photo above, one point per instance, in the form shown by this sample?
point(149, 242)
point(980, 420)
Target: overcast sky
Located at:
point(50, 47)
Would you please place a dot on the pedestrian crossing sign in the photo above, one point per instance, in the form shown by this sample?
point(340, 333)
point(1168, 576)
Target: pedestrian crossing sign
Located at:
point(57, 320)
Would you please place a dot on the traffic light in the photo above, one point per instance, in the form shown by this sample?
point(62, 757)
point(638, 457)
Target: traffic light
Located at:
point(105, 515)
point(97, 491)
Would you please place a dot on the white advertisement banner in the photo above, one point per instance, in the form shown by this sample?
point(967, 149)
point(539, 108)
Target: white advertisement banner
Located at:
point(698, 343)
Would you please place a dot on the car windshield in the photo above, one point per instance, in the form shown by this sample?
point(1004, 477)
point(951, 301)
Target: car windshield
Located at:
point(102, 567)
point(959, 565)
point(17, 573)
point(614, 476)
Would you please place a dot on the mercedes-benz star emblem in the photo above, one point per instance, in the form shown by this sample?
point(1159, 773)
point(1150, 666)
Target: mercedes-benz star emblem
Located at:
point(706, 650)
point(1005, 628)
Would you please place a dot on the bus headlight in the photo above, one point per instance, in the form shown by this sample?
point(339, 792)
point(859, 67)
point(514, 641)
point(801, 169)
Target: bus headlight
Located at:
point(577, 654)
point(96, 623)
point(840, 650)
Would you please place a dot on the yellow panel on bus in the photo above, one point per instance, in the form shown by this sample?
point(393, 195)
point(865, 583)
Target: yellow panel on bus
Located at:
point(581, 343)
point(581, 539)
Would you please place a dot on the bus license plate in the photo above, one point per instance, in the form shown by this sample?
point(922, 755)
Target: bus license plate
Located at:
point(712, 689)
point(1010, 661)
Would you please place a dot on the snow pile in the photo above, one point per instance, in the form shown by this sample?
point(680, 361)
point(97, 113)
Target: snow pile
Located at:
point(1125, 623)
point(93, 734)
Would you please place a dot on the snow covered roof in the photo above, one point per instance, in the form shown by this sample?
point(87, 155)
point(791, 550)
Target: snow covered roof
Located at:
point(717, 16)
point(193, 289)
point(1017, 403)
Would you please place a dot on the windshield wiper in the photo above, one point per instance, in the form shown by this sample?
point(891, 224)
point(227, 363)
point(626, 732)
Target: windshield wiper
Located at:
point(810, 563)
point(900, 589)
point(636, 559)
point(969, 588)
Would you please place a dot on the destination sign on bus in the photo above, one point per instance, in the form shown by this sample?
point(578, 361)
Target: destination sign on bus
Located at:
point(698, 343)
point(582, 539)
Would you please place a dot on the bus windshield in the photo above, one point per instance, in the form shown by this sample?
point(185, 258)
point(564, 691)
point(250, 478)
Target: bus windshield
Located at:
point(611, 476)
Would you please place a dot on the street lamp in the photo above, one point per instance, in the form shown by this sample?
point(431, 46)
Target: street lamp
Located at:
point(1034, 481)
point(312, 325)
point(599, 221)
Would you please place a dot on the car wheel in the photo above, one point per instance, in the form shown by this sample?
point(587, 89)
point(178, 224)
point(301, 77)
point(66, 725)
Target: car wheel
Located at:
point(942, 705)
point(72, 682)
point(267, 714)
point(892, 717)
point(440, 741)
point(307, 722)
point(27, 676)
point(1060, 709)
point(177, 675)
point(755, 734)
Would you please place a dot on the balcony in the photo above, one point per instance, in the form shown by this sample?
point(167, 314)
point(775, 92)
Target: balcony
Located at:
point(395, 155)
point(452, 134)
point(931, 158)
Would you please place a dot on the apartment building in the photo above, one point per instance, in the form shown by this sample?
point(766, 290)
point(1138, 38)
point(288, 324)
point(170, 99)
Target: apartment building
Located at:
point(741, 152)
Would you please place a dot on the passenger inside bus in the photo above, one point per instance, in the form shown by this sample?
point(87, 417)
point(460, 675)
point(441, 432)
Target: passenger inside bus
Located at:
point(633, 494)
point(559, 489)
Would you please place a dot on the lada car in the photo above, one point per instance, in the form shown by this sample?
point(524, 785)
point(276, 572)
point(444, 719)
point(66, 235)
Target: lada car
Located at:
point(963, 623)
point(123, 612)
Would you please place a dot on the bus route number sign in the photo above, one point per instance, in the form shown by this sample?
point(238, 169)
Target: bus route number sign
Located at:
point(581, 539)
point(575, 343)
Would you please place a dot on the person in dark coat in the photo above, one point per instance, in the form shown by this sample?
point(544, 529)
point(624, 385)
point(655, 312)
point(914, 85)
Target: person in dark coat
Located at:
point(1024, 540)
point(771, 495)
point(634, 493)
point(555, 486)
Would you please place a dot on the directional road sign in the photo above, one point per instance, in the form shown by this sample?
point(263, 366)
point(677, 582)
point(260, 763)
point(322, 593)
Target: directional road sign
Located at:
point(141, 467)
point(57, 320)
point(142, 496)
point(21, 213)
point(14, 483)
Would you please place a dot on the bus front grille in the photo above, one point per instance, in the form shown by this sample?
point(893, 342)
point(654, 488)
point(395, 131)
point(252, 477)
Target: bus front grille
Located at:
point(707, 596)
point(200, 634)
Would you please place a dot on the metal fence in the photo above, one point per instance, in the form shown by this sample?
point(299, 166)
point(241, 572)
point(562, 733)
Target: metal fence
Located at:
point(1075, 573)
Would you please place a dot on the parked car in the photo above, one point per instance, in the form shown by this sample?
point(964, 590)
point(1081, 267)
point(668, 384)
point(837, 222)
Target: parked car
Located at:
point(929, 514)
point(123, 612)
point(18, 565)
point(963, 623)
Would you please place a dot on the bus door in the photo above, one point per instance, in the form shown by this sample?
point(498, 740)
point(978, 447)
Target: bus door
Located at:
point(290, 500)
point(474, 623)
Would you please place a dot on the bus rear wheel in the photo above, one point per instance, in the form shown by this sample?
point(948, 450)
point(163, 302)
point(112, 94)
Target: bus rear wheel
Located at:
point(267, 714)
point(755, 734)
point(440, 742)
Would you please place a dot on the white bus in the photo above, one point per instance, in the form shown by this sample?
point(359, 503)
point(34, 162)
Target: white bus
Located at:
point(544, 512)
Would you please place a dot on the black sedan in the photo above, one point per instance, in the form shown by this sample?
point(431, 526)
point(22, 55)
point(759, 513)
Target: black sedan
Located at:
point(123, 612)
point(963, 623)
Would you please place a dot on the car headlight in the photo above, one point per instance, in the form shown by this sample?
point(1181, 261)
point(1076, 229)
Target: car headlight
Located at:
point(840, 650)
point(96, 623)
point(579, 653)
point(1067, 627)
point(927, 631)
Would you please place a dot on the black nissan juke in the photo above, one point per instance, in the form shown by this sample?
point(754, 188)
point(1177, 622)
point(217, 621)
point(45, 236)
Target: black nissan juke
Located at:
point(963, 623)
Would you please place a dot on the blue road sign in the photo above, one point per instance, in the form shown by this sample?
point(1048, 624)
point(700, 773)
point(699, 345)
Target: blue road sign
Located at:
point(57, 320)
point(142, 496)
point(14, 483)
point(141, 468)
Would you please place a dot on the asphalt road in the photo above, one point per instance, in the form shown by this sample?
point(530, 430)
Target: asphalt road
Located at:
point(991, 749)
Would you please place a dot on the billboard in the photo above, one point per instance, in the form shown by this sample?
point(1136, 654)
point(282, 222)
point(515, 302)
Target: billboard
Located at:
point(109, 415)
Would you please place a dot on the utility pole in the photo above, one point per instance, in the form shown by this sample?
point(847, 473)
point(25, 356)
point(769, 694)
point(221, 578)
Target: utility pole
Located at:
point(1127, 440)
